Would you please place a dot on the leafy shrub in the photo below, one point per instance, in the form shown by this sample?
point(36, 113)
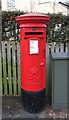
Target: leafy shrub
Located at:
point(58, 28)
point(10, 28)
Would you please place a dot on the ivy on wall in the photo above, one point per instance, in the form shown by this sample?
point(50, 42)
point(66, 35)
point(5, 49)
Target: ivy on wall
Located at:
point(57, 27)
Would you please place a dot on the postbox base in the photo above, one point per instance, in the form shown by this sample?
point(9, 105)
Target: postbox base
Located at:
point(33, 102)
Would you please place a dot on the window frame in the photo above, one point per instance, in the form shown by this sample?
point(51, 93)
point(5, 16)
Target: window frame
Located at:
point(45, 1)
point(10, 4)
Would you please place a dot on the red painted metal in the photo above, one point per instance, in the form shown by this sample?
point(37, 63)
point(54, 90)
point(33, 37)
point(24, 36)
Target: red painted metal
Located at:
point(33, 51)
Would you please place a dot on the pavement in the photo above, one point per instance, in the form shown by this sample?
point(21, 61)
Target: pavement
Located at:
point(12, 108)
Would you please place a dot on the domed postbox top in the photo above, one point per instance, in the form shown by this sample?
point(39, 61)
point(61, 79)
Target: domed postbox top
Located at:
point(32, 18)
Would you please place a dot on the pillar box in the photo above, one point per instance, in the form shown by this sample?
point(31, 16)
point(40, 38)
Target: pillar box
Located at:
point(33, 60)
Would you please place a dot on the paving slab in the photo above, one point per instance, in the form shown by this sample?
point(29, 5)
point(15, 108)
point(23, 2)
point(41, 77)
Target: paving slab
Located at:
point(12, 108)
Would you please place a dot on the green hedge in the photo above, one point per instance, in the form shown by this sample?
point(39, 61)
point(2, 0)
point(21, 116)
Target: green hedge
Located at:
point(57, 27)
point(10, 28)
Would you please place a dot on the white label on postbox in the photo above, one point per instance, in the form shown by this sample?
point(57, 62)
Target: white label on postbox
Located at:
point(34, 46)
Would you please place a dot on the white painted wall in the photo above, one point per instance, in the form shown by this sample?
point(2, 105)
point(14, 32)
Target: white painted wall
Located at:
point(4, 4)
point(27, 5)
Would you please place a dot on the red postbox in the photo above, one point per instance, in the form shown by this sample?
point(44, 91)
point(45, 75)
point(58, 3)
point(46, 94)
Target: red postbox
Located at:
point(33, 59)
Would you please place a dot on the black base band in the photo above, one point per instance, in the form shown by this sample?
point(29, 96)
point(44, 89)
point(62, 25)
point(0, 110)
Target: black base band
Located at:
point(33, 102)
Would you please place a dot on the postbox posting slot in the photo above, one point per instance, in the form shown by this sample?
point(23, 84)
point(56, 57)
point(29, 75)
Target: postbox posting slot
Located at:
point(33, 33)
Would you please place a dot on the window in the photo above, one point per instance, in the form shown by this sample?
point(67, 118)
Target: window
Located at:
point(44, 1)
point(10, 4)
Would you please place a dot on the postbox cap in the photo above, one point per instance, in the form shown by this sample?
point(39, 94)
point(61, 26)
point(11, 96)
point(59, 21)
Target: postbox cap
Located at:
point(32, 18)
